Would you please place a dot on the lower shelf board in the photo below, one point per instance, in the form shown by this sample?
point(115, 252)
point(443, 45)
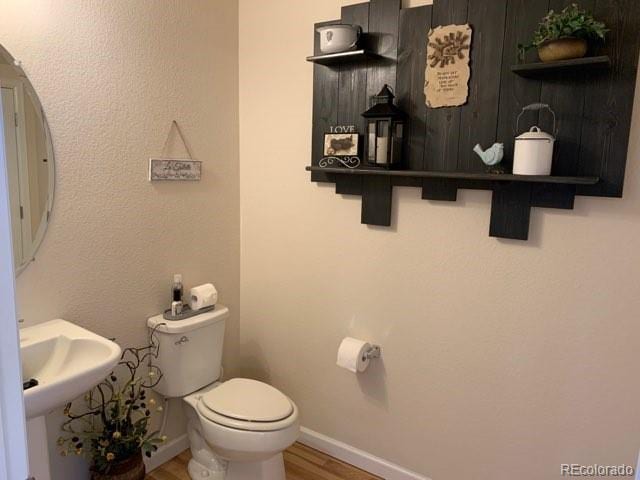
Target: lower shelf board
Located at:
point(513, 195)
point(492, 177)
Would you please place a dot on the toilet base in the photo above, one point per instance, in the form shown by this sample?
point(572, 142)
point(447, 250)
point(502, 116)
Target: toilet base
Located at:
point(271, 469)
point(197, 471)
point(205, 464)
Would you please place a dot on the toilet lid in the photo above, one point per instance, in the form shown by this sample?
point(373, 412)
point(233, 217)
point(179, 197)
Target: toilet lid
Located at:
point(249, 401)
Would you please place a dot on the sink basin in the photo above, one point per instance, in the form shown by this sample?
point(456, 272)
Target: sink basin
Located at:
point(66, 360)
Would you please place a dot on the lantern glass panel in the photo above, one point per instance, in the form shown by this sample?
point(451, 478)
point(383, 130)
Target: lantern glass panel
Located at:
point(371, 150)
point(396, 151)
point(382, 143)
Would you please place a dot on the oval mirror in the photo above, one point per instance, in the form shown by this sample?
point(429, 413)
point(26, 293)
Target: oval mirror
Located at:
point(29, 155)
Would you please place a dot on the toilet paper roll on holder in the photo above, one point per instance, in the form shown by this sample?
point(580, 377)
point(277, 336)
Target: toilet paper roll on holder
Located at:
point(374, 351)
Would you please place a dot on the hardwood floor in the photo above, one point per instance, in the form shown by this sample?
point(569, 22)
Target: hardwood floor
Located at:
point(301, 463)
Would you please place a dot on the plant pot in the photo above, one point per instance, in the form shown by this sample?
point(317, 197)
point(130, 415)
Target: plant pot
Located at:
point(562, 49)
point(130, 469)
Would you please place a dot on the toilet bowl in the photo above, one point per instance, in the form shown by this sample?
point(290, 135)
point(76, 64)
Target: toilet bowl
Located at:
point(247, 440)
point(237, 429)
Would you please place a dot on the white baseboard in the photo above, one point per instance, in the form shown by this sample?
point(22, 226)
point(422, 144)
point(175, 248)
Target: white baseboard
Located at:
point(341, 451)
point(167, 452)
point(358, 458)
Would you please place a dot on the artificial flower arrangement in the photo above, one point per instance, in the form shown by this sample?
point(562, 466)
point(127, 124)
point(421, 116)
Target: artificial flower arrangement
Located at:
point(111, 428)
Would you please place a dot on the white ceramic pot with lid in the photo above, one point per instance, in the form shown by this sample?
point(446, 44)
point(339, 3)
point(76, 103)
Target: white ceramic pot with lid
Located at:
point(533, 153)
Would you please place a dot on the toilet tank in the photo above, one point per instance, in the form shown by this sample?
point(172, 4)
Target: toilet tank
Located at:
point(190, 354)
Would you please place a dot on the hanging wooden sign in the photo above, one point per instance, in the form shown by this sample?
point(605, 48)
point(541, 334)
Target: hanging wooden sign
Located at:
point(448, 72)
point(166, 168)
point(172, 169)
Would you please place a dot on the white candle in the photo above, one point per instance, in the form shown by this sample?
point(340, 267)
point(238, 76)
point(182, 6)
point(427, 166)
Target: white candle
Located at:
point(382, 147)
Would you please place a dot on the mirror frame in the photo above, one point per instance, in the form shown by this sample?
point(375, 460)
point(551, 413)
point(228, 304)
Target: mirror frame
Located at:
point(46, 220)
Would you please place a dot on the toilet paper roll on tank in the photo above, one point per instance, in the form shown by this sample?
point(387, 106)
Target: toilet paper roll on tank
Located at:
point(203, 296)
point(355, 354)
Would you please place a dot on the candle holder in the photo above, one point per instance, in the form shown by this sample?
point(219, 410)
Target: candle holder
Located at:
point(385, 130)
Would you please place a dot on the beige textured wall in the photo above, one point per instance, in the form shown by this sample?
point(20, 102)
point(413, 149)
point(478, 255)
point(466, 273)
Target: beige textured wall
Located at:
point(111, 77)
point(502, 359)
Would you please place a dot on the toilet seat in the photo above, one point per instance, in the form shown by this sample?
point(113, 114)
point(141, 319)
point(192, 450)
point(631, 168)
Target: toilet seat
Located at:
point(248, 405)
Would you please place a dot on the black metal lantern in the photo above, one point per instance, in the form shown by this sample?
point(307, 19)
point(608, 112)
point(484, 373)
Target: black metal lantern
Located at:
point(385, 130)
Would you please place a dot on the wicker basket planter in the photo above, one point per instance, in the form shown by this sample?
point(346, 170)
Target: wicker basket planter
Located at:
point(130, 469)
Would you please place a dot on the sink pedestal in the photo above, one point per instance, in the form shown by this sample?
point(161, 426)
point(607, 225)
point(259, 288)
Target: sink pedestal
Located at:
point(38, 448)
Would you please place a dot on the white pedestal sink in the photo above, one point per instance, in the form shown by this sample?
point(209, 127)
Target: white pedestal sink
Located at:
point(66, 361)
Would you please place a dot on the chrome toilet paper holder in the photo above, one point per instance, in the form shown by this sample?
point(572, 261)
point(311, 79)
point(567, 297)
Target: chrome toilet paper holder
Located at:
point(374, 352)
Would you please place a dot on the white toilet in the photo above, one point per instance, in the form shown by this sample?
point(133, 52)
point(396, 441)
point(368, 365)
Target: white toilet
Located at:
point(237, 429)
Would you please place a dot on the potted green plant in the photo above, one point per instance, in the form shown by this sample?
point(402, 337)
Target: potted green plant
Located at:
point(110, 429)
point(565, 35)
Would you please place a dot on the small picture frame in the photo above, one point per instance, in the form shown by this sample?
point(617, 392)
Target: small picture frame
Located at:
point(341, 144)
point(174, 170)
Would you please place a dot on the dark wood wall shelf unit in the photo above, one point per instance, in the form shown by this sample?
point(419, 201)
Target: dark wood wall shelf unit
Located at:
point(586, 64)
point(593, 100)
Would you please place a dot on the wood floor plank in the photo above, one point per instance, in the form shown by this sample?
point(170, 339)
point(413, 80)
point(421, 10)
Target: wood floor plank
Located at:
point(348, 472)
point(162, 474)
point(294, 472)
point(310, 467)
point(177, 468)
point(301, 463)
point(341, 469)
point(185, 456)
point(308, 454)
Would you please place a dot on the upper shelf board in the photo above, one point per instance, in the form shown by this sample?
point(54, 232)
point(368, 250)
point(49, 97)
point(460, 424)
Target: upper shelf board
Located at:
point(541, 68)
point(494, 177)
point(342, 57)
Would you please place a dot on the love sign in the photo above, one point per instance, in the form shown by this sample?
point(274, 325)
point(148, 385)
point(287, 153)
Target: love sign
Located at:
point(343, 129)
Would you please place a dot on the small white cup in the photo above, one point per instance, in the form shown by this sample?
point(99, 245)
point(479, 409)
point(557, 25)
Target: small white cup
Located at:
point(338, 38)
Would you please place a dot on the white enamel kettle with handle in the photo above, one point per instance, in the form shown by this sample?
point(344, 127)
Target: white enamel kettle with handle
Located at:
point(533, 153)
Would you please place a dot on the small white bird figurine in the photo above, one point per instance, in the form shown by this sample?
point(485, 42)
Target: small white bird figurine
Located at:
point(491, 156)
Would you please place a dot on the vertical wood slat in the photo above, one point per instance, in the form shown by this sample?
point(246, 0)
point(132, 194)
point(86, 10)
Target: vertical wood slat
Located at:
point(609, 102)
point(510, 211)
point(443, 124)
point(553, 196)
point(377, 193)
point(384, 16)
point(479, 118)
point(565, 93)
point(412, 56)
point(522, 19)
point(352, 98)
point(383, 40)
point(325, 106)
point(440, 189)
